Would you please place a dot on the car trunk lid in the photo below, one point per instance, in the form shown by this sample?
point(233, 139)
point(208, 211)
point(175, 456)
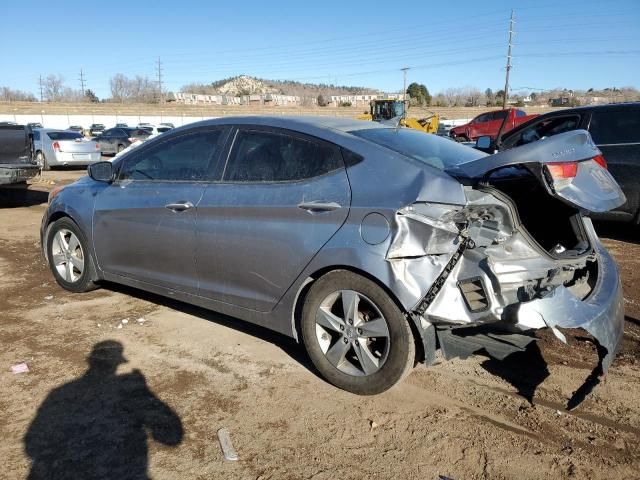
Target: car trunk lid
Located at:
point(569, 166)
point(78, 145)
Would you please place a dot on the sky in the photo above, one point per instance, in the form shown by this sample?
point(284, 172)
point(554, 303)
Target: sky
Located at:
point(562, 43)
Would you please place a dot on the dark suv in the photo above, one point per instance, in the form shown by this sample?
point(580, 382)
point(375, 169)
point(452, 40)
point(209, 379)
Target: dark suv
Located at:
point(615, 128)
point(96, 129)
point(115, 140)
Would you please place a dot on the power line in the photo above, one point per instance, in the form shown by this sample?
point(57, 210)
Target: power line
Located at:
point(160, 79)
point(506, 83)
point(82, 82)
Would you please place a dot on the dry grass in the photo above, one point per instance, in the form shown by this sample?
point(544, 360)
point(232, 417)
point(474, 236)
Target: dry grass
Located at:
point(173, 109)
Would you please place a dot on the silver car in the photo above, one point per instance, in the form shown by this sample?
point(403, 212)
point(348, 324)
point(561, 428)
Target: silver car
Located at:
point(371, 245)
point(63, 147)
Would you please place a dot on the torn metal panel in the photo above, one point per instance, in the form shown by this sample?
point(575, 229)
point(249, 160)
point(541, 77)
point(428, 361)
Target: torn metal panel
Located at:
point(424, 229)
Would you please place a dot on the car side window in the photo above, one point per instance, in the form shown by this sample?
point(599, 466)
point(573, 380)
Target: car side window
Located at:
point(547, 127)
point(36, 135)
point(499, 115)
point(188, 157)
point(265, 156)
point(520, 113)
point(485, 117)
point(611, 127)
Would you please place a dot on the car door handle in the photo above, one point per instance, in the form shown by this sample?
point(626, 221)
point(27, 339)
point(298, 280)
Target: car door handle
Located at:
point(179, 206)
point(317, 207)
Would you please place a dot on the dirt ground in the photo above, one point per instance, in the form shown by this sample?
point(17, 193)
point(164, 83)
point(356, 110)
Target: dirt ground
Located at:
point(191, 372)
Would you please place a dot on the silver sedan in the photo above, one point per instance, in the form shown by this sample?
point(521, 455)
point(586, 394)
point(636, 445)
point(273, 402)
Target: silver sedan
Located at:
point(63, 148)
point(373, 246)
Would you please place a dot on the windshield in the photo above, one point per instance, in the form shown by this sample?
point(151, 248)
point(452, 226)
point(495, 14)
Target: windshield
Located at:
point(63, 135)
point(435, 151)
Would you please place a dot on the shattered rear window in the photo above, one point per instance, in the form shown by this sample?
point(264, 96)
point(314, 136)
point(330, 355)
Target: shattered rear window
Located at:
point(435, 151)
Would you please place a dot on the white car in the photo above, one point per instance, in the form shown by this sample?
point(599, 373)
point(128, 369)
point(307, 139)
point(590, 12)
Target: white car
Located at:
point(154, 129)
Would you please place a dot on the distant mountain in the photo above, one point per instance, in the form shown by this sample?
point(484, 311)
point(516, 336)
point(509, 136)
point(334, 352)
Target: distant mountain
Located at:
point(246, 85)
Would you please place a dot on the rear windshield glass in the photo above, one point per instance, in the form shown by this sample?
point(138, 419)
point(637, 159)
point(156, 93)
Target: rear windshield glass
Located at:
point(63, 135)
point(438, 152)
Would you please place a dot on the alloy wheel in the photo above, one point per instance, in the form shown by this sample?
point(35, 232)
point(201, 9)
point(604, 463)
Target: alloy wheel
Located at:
point(67, 255)
point(352, 333)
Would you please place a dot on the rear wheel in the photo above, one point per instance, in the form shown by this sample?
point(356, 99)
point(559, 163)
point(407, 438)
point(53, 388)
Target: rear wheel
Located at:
point(69, 257)
point(42, 161)
point(355, 334)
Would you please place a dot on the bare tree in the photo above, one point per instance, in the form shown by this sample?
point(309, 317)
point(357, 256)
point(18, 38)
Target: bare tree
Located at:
point(10, 95)
point(52, 87)
point(118, 85)
point(473, 96)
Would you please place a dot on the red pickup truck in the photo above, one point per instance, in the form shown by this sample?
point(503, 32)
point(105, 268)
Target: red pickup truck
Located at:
point(490, 124)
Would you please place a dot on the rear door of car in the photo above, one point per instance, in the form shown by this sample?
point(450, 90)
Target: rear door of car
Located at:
point(106, 140)
point(616, 132)
point(282, 196)
point(144, 222)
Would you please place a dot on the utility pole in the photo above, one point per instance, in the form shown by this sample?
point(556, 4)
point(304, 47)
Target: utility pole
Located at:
point(404, 90)
point(506, 83)
point(160, 79)
point(82, 82)
point(41, 89)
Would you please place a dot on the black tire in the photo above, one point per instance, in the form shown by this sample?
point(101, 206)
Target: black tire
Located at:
point(42, 160)
point(120, 148)
point(460, 138)
point(86, 280)
point(400, 355)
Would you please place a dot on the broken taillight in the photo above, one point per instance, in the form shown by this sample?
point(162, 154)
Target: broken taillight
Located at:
point(562, 171)
point(599, 159)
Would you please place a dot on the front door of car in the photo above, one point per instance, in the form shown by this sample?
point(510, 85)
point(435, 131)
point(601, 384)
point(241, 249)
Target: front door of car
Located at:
point(282, 197)
point(617, 135)
point(144, 223)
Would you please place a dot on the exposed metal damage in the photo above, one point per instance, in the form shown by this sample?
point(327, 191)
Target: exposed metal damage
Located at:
point(490, 284)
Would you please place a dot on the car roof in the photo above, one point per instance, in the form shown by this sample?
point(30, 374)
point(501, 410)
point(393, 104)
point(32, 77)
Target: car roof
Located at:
point(584, 108)
point(47, 130)
point(343, 124)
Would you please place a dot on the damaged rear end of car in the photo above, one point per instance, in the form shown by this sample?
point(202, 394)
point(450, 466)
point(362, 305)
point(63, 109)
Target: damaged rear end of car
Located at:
point(520, 255)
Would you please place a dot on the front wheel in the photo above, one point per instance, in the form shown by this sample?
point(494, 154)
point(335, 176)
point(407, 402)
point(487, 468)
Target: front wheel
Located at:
point(69, 258)
point(356, 336)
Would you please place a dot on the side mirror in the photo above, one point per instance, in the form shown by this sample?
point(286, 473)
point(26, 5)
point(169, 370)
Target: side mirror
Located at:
point(101, 171)
point(483, 143)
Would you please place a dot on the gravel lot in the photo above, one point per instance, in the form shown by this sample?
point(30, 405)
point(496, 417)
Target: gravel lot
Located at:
point(191, 372)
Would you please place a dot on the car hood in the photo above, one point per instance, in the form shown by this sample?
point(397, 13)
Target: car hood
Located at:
point(592, 189)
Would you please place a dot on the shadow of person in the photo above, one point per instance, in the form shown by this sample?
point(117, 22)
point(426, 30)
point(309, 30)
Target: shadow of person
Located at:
point(524, 370)
point(96, 427)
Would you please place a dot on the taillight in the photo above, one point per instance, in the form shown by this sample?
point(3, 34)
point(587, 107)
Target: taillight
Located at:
point(564, 170)
point(599, 159)
point(562, 174)
point(56, 146)
point(97, 146)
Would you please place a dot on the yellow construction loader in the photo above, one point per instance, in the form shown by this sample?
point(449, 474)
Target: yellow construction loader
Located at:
point(386, 110)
